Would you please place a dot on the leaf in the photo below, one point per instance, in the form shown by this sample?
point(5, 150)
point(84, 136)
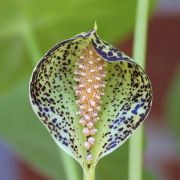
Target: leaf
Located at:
point(72, 77)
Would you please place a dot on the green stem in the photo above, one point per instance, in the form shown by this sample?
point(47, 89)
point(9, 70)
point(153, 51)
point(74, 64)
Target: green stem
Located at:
point(31, 44)
point(70, 167)
point(29, 39)
point(89, 173)
point(139, 52)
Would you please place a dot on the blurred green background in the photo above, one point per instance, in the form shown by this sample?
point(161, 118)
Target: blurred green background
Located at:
point(27, 30)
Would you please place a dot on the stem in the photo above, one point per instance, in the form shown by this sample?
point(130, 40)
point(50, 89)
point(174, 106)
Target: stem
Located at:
point(70, 167)
point(139, 51)
point(31, 44)
point(89, 174)
point(29, 39)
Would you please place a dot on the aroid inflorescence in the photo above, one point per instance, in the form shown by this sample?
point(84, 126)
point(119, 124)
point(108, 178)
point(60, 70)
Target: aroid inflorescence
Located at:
point(90, 96)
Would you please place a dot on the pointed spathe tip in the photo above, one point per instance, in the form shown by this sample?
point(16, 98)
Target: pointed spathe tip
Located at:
point(94, 30)
point(95, 26)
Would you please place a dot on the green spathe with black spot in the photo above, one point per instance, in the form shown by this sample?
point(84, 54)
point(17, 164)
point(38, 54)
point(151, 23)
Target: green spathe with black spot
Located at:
point(125, 104)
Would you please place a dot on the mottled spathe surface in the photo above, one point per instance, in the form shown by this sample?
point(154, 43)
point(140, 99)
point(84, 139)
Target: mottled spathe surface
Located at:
point(55, 88)
point(52, 92)
point(125, 106)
